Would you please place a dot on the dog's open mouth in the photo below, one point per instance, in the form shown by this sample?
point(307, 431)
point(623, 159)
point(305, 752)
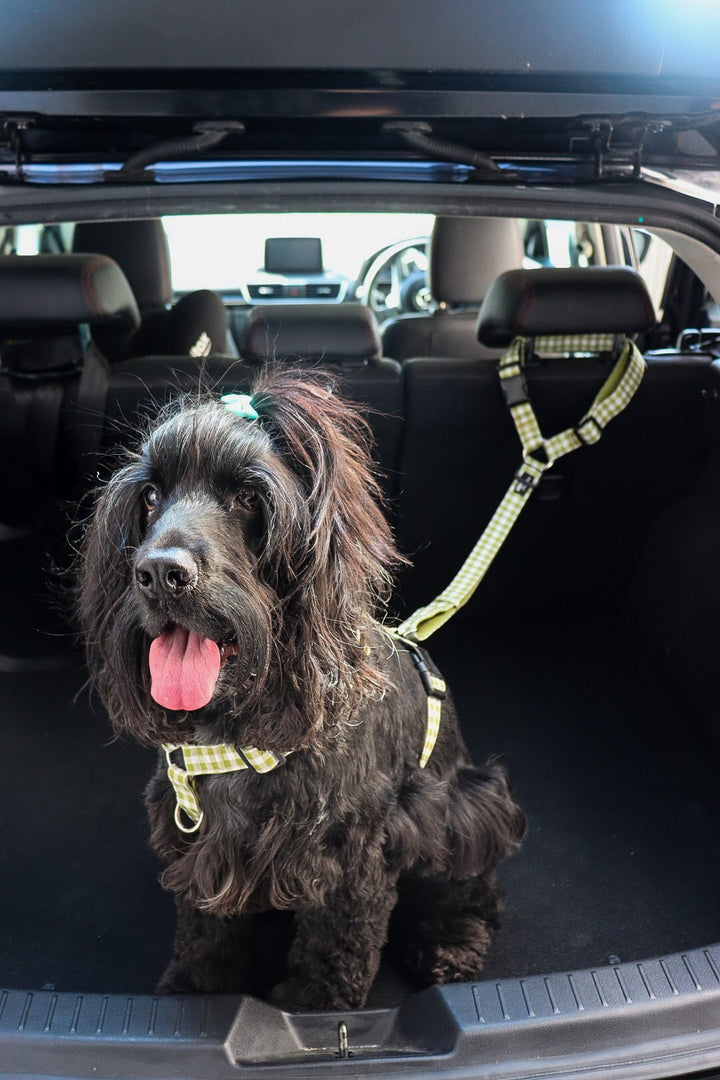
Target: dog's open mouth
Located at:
point(184, 668)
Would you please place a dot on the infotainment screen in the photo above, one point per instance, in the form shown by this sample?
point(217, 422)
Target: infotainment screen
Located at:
point(293, 255)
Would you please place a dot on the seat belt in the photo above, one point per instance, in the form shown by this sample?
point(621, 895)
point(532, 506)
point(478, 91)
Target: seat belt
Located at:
point(36, 376)
point(90, 402)
point(538, 455)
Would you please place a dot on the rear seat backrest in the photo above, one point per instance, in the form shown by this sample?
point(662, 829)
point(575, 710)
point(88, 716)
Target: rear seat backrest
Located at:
point(575, 543)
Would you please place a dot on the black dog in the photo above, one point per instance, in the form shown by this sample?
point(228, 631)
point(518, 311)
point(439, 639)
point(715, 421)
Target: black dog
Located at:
point(232, 576)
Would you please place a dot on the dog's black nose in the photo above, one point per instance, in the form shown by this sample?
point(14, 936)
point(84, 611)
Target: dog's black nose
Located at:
point(166, 572)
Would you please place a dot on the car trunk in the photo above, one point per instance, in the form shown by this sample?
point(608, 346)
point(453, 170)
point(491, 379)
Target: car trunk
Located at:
point(603, 716)
point(603, 706)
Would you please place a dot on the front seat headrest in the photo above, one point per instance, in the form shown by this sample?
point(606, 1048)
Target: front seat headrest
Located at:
point(140, 247)
point(314, 332)
point(195, 326)
point(467, 254)
point(551, 301)
point(40, 293)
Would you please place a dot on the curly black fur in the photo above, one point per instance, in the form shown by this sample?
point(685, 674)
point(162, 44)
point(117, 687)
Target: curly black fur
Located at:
point(297, 577)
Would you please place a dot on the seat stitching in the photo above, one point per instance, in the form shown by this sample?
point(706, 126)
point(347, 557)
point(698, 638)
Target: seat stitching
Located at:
point(525, 306)
point(87, 287)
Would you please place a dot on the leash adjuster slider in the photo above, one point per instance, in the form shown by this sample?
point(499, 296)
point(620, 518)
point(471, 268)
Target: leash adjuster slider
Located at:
point(590, 435)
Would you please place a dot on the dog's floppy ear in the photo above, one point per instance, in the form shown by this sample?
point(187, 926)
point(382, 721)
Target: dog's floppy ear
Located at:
point(343, 561)
point(326, 442)
point(105, 607)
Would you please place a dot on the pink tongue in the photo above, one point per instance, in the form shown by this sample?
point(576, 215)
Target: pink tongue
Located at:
point(184, 668)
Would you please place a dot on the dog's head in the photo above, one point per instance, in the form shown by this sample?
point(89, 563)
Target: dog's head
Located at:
point(232, 570)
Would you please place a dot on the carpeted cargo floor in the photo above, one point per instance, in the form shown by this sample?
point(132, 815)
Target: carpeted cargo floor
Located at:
point(622, 797)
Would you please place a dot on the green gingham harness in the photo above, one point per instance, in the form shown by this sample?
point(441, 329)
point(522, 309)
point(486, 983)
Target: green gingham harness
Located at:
point(209, 761)
point(435, 691)
point(613, 396)
point(538, 454)
point(199, 760)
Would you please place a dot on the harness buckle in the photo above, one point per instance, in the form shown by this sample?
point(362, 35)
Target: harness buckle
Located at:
point(593, 436)
point(432, 684)
point(514, 388)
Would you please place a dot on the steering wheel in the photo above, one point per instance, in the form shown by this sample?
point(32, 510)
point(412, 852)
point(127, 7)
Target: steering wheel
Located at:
point(395, 282)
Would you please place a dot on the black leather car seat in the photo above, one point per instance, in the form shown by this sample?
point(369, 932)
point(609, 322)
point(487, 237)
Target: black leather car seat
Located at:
point(345, 339)
point(465, 257)
point(195, 326)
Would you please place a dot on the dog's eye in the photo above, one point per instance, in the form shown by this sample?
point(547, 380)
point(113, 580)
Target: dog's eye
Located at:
point(247, 497)
point(150, 497)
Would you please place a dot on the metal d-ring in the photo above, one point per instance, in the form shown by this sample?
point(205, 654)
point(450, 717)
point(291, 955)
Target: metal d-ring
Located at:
point(533, 462)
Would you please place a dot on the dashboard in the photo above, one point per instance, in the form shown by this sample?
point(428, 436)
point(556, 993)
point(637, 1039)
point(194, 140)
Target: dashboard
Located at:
point(293, 270)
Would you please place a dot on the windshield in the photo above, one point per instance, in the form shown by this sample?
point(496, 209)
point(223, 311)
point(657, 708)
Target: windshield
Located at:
point(218, 251)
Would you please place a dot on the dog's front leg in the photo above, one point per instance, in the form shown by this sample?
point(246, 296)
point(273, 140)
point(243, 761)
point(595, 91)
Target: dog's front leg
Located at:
point(336, 951)
point(211, 953)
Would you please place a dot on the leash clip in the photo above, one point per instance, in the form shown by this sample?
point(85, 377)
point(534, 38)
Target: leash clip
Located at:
point(525, 481)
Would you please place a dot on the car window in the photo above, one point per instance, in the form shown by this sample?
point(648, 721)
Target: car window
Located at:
point(550, 242)
point(226, 252)
point(652, 260)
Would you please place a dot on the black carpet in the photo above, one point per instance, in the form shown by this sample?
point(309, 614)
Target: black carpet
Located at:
point(622, 798)
point(81, 907)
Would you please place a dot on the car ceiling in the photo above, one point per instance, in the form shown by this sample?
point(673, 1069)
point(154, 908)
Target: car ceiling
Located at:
point(600, 83)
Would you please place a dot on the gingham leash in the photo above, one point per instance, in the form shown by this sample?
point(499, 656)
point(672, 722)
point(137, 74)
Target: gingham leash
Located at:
point(538, 454)
point(435, 690)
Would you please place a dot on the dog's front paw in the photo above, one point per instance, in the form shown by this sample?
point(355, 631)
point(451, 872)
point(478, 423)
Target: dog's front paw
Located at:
point(451, 961)
point(297, 995)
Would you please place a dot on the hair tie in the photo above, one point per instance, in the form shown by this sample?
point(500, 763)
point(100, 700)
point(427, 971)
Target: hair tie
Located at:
point(241, 405)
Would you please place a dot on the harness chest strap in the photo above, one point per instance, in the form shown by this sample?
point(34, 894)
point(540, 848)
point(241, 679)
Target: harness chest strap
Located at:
point(539, 454)
point(209, 761)
point(198, 760)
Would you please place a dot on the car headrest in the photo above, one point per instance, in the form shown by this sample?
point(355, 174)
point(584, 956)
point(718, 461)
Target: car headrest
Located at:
point(467, 254)
point(43, 292)
point(195, 326)
point(315, 332)
point(139, 247)
point(550, 301)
